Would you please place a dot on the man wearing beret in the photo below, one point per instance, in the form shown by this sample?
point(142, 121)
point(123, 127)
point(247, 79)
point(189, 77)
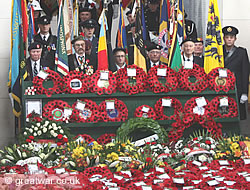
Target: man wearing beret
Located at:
point(46, 39)
point(35, 63)
point(120, 59)
point(236, 59)
point(87, 8)
point(84, 14)
point(80, 61)
point(198, 48)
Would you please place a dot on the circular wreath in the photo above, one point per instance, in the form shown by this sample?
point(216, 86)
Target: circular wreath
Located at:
point(175, 104)
point(142, 123)
point(140, 113)
point(77, 77)
point(198, 74)
point(104, 171)
point(105, 138)
point(221, 84)
point(120, 113)
point(54, 110)
point(86, 138)
point(53, 76)
point(103, 87)
point(131, 85)
point(214, 106)
point(170, 80)
point(89, 114)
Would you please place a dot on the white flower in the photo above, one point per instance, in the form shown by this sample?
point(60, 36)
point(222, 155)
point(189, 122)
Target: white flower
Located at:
point(35, 134)
point(35, 128)
point(212, 152)
point(39, 132)
point(31, 130)
point(53, 125)
point(24, 154)
point(213, 146)
point(50, 127)
point(32, 126)
point(202, 145)
point(61, 131)
point(52, 132)
point(55, 135)
point(45, 130)
point(200, 138)
point(55, 128)
point(59, 127)
point(46, 123)
point(202, 158)
point(186, 150)
point(25, 133)
point(38, 124)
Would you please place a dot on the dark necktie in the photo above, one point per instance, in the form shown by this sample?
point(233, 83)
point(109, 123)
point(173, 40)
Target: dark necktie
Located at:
point(154, 64)
point(188, 59)
point(44, 38)
point(35, 69)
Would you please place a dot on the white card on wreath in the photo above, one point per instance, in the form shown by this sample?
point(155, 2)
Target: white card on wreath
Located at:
point(131, 72)
point(162, 72)
point(104, 75)
point(222, 73)
point(42, 74)
point(178, 180)
point(224, 163)
point(224, 101)
point(145, 109)
point(199, 110)
point(80, 105)
point(188, 65)
point(201, 102)
point(110, 105)
point(166, 102)
point(67, 112)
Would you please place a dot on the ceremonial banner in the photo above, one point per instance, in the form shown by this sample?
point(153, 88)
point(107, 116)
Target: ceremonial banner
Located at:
point(121, 34)
point(181, 23)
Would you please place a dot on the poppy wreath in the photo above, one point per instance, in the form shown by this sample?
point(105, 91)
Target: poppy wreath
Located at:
point(191, 104)
point(120, 113)
point(159, 109)
point(103, 90)
point(91, 108)
point(214, 106)
point(198, 73)
point(156, 86)
point(54, 110)
point(124, 84)
point(57, 82)
point(75, 76)
point(223, 84)
point(86, 138)
point(104, 171)
point(106, 138)
point(140, 113)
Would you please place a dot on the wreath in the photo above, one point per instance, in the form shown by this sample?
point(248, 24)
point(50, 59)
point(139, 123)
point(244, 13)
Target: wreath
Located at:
point(90, 112)
point(160, 105)
point(103, 86)
point(116, 114)
point(86, 138)
point(145, 111)
point(217, 83)
point(194, 80)
point(142, 123)
point(105, 138)
point(54, 77)
point(133, 84)
point(104, 171)
point(158, 82)
point(75, 82)
point(54, 110)
point(215, 110)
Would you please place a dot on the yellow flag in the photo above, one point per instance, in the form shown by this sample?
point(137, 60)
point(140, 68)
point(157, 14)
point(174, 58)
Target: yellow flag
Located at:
point(213, 46)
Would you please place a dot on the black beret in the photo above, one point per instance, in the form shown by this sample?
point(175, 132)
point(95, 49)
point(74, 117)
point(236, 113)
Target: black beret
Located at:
point(35, 45)
point(44, 20)
point(187, 40)
point(153, 46)
point(77, 38)
point(119, 49)
point(91, 23)
point(85, 9)
point(129, 12)
point(230, 30)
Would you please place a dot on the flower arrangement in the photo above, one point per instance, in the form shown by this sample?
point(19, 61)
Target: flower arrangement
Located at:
point(145, 111)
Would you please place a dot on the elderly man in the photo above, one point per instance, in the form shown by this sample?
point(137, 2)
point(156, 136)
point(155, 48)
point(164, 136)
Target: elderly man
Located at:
point(236, 60)
point(80, 61)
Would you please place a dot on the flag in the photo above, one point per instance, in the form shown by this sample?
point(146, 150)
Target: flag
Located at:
point(121, 33)
point(75, 20)
point(139, 49)
point(213, 46)
point(164, 36)
point(143, 22)
point(68, 24)
point(181, 23)
point(175, 60)
point(126, 3)
point(25, 24)
point(102, 45)
point(61, 57)
point(31, 29)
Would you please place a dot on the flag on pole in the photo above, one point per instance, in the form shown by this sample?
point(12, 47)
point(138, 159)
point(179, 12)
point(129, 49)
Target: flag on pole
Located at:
point(75, 20)
point(31, 29)
point(25, 23)
point(213, 46)
point(61, 57)
point(126, 3)
point(143, 22)
point(181, 23)
point(121, 33)
point(68, 24)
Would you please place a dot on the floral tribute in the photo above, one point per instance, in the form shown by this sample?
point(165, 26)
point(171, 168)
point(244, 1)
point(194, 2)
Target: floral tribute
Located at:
point(117, 112)
point(162, 79)
point(103, 82)
point(161, 105)
point(191, 107)
point(54, 110)
point(54, 77)
point(90, 112)
point(106, 138)
point(187, 75)
point(131, 82)
point(145, 111)
point(217, 83)
point(84, 138)
point(75, 82)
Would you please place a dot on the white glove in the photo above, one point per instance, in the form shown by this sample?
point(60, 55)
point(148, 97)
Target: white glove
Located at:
point(243, 98)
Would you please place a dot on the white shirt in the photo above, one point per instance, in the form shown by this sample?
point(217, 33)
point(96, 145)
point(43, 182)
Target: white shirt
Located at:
point(77, 55)
point(154, 64)
point(38, 66)
point(118, 67)
point(89, 39)
point(190, 58)
point(46, 36)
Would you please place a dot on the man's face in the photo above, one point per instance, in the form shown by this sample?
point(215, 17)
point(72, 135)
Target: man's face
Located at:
point(154, 55)
point(229, 40)
point(120, 58)
point(89, 32)
point(79, 47)
point(85, 16)
point(198, 47)
point(188, 48)
point(44, 28)
point(153, 7)
point(35, 54)
point(131, 19)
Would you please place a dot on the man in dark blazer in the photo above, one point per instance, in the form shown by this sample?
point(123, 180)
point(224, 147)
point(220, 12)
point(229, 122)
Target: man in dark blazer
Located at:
point(120, 59)
point(45, 38)
point(35, 63)
point(236, 60)
point(198, 48)
point(81, 61)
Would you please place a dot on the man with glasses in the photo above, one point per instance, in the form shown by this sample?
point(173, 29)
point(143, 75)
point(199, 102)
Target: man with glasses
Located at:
point(154, 55)
point(120, 59)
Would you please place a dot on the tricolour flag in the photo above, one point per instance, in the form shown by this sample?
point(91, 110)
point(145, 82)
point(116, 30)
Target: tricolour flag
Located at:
point(213, 47)
point(62, 65)
point(121, 33)
point(181, 23)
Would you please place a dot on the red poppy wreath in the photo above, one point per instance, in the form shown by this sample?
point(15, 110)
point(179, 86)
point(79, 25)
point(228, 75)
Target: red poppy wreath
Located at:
point(194, 80)
point(145, 111)
point(106, 138)
point(84, 138)
point(54, 110)
point(113, 110)
point(131, 80)
point(221, 79)
point(162, 79)
point(49, 75)
point(75, 82)
point(85, 111)
point(103, 82)
point(168, 102)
